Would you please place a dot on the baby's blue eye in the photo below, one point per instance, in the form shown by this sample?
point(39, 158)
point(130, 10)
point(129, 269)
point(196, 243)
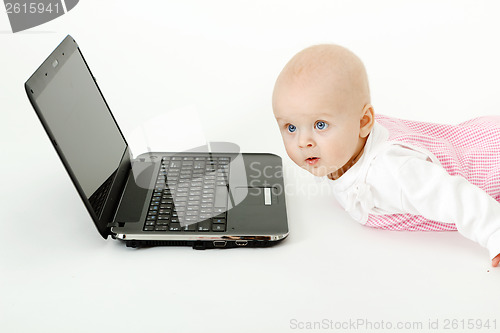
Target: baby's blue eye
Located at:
point(291, 128)
point(321, 125)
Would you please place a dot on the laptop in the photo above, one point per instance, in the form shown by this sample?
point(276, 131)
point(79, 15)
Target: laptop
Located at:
point(209, 197)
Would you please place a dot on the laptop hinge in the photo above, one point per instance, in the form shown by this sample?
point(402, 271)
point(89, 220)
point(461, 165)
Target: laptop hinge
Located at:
point(115, 224)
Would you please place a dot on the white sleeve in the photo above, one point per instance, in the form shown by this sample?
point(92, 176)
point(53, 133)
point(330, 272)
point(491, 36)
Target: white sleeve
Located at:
point(428, 190)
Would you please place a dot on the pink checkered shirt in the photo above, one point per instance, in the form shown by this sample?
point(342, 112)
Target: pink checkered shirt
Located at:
point(470, 149)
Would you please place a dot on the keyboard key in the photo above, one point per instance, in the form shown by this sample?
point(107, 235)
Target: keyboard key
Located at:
point(204, 225)
point(161, 228)
point(218, 227)
point(175, 164)
point(174, 227)
point(189, 227)
point(180, 208)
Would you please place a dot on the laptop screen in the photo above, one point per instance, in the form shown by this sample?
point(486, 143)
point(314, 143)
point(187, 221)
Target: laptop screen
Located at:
point(81, 124)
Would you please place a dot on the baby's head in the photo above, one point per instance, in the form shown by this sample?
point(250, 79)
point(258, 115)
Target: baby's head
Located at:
point(321, 101)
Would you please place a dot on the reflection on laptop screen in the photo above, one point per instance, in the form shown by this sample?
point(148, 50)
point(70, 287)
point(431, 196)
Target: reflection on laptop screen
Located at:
point(81, 124)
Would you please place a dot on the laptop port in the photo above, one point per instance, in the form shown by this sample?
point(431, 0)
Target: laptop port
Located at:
point(241, 243)
point(220, 243)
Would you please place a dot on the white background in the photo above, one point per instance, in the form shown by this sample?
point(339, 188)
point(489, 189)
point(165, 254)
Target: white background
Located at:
point(426, 60)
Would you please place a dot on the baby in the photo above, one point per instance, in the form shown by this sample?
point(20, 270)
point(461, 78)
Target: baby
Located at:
point(388, 173)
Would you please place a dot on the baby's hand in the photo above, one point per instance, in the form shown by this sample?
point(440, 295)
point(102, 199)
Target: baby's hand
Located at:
point(495, 261)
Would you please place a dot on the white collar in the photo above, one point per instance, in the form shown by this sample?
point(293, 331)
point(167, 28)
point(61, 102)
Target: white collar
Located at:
point(378, 135)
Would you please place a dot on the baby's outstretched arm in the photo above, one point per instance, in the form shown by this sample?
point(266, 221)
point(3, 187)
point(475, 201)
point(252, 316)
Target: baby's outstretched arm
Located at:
point(495, 261)
point(424, 186)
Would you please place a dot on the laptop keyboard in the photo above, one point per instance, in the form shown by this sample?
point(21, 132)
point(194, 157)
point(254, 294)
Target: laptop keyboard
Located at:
point(190, 195)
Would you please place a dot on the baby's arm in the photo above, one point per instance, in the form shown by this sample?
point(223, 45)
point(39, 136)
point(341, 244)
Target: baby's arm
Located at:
point(428, 190)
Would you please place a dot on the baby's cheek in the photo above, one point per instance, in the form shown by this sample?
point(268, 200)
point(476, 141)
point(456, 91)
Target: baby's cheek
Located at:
point(292, 156)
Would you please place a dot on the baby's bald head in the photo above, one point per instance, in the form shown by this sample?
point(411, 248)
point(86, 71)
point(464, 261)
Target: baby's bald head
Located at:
point(333, 70)
point(321, 102)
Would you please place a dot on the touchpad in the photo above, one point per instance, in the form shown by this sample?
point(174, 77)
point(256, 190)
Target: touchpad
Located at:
point(254, 196)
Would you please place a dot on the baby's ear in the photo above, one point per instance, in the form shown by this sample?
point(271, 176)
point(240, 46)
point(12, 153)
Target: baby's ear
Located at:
point(367, 121)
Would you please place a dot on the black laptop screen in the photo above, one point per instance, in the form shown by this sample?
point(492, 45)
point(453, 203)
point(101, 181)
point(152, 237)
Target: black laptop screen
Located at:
point(81, 124)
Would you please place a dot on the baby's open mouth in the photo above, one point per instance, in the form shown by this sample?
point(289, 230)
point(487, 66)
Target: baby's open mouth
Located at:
point(312, 160)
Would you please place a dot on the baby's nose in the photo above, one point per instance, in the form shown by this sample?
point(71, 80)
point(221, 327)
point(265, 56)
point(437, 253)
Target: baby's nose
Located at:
point(306, 141)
